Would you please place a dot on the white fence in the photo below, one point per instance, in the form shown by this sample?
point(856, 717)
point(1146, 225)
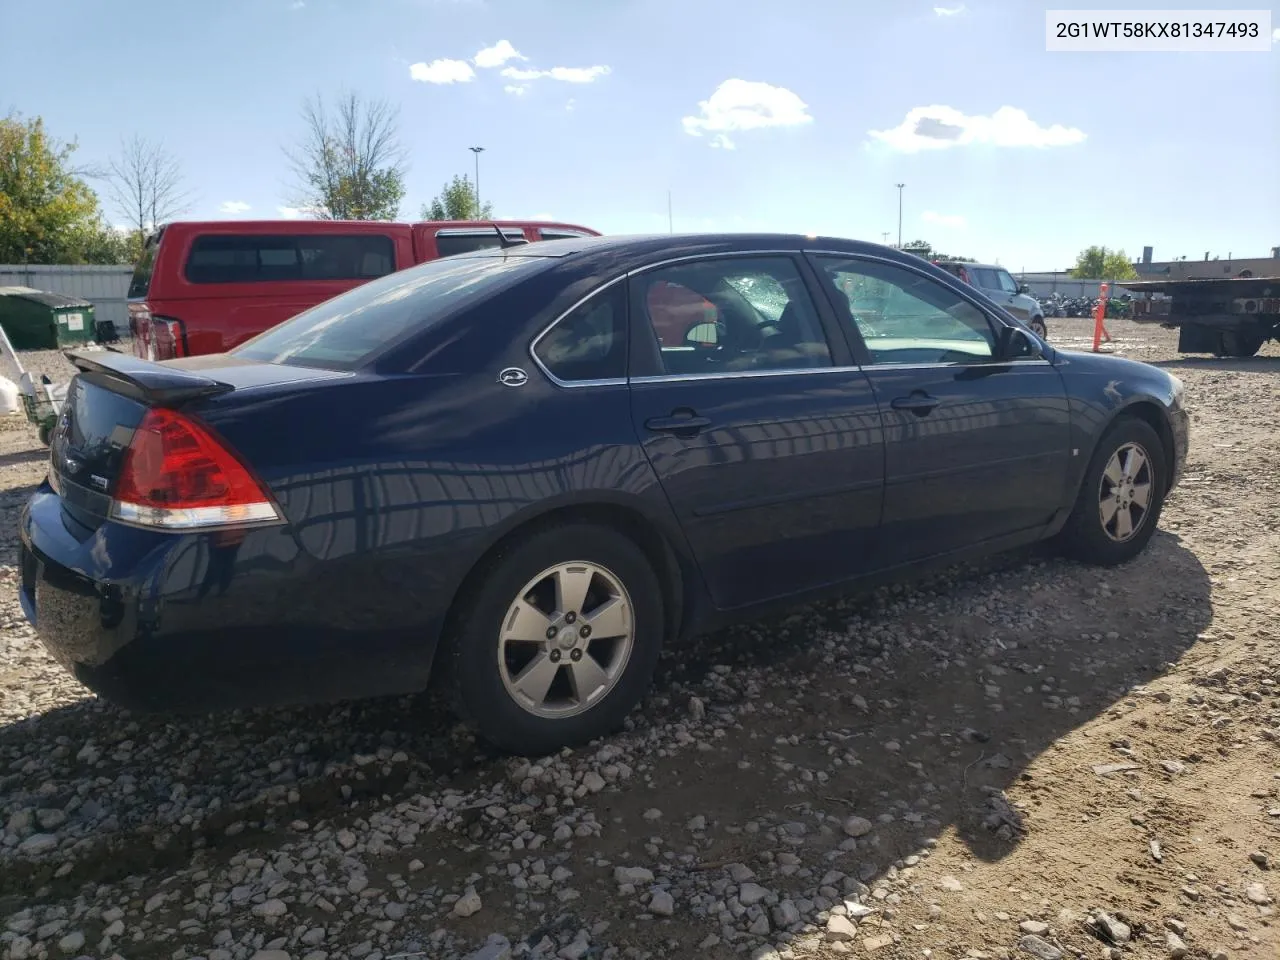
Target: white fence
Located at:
point(1045, 284)
point(103, 286)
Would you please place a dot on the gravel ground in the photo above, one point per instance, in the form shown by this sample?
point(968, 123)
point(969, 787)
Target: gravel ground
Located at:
point(1025, 758)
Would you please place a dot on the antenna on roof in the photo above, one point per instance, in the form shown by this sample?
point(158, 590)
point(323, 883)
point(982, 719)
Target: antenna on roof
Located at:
point(503, 240)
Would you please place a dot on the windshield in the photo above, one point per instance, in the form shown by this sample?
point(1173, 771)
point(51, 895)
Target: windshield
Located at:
point(140, 283)
point(346, 332)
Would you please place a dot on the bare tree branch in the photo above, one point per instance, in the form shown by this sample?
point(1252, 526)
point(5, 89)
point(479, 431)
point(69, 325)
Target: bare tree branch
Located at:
point(145, 182)
point(349, 164)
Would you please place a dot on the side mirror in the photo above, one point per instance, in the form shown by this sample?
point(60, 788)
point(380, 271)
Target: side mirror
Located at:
point(1023, 288)
point(1016, 344)
point(703, 335)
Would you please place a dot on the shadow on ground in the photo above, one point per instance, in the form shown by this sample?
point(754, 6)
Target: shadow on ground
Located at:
point(914, 706)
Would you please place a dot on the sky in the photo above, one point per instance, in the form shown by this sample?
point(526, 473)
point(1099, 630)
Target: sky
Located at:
point(751, 115)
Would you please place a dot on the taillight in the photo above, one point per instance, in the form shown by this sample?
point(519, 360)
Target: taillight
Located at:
point(177, 476)
point(168, 337)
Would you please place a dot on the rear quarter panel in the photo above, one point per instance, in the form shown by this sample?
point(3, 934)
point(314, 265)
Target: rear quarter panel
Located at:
point(395, 486)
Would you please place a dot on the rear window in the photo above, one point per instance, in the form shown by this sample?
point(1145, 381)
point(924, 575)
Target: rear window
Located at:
point(229, 258)
point(349, 330)
point(141, 282)
point(447, 244)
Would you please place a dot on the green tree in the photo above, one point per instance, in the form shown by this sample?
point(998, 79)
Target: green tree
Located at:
point(1099, 263)
point(924, 250)
point(350, 163)
point(48, 214)
point(456, 201)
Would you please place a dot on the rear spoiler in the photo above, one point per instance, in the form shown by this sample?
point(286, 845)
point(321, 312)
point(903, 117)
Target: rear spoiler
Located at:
point(144, 380)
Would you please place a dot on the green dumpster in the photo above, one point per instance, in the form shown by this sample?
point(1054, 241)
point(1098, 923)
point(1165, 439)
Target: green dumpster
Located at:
point(39, 320)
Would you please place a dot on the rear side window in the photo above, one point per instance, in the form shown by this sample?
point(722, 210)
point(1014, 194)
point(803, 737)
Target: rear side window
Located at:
point(141, 282)
point(349, 330)
point(591, 342)
point(560, 235)
point(447, 244)
point(230, 258)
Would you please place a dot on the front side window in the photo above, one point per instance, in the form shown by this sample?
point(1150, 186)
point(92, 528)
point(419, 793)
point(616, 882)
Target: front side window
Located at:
point(731, 314)
point(1006, 282)
point(907, 318)
point(232, 258)
point(347, 331)
point(590, 343)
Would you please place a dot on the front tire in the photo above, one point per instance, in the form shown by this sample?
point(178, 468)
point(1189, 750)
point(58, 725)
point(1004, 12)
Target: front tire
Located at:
point(1120, 498)
point(1038, 328)
point(557, 641)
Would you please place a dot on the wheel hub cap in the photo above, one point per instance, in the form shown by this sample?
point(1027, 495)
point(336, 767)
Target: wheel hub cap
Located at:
point(566, 640)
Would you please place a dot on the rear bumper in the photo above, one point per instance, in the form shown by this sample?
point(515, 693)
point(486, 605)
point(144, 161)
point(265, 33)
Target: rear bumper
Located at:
point(157, 621)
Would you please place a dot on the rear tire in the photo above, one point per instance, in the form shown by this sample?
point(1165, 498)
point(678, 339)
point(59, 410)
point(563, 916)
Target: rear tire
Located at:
point(1235, 343)
point(523, 621)
point(1113, 485)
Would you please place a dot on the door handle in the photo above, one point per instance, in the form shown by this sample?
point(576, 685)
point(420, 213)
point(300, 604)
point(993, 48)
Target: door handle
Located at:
point(917, 403)
point(684, 422)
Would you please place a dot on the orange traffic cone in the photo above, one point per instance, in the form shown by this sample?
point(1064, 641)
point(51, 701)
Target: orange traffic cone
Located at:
point(1099, 314)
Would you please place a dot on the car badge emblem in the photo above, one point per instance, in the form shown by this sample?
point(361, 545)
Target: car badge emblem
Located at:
point(513, 377)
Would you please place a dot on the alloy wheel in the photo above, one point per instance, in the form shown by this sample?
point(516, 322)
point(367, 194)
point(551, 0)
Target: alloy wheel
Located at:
point(566, 639)
point(1124, 493)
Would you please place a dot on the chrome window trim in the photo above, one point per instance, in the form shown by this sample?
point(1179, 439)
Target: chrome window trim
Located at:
point(741, 374)
point(750, 374)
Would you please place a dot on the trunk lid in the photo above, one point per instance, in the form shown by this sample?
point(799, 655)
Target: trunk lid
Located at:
point(107, 400)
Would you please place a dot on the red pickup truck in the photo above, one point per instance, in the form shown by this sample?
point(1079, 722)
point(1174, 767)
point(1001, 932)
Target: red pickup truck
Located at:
point(204, 287)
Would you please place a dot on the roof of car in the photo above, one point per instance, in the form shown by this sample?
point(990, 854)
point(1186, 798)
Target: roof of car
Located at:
point(621, 250)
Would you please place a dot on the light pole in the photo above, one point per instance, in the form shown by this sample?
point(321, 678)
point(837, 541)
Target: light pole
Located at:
point(884, 237)
point(477, 151)
point(900, 186)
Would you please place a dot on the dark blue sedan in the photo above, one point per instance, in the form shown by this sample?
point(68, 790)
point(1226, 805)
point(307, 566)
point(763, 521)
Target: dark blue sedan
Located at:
point(527, 468)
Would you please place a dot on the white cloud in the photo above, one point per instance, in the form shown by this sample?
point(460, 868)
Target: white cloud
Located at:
point(1275, 35)
point(234, 207)
point(497, 55)
point(296, 213)
point(577, 74)
point(442, 71)
point(959, 8)
point(515, 89)
point(570, 105)
point(953, 220)
point(938, 127)
point(745, 105)
point(563, 74)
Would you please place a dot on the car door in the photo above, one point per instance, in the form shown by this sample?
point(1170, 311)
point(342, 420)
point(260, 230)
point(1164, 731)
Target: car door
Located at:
point(766, 440)
point(976, 444)
point(1001, 288)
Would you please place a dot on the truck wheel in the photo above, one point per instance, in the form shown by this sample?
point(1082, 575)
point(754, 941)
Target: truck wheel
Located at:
point(1120, 498)
point(1235, 343)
